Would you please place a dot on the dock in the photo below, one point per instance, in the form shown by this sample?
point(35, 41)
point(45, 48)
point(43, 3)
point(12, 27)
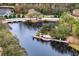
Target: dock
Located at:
point(51, 39)
point(62, 41)
point(41, 38)
point(34, 20)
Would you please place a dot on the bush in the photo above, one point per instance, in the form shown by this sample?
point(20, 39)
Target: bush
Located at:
point(61, 31)
point(10, 16)
point(14, 15)
point(45, 29)
point(18, 15)
point(67, 18)
point(6, 16)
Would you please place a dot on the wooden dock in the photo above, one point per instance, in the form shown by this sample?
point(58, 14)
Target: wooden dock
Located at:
point(62, 41)
point(14, 20)
point(41, 38)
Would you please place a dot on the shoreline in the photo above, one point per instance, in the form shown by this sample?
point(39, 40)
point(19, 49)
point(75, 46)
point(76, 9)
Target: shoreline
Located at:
point(70, 43)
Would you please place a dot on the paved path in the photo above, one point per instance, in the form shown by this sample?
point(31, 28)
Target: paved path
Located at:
point(12, 7)
point(12, 20)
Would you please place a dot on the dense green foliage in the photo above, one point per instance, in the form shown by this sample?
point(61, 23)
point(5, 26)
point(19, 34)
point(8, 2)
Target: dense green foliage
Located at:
point(61, 31)
point(9, 44)
point(67, 26)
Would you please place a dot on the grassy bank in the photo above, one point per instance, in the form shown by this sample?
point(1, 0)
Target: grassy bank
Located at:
point(9, 44)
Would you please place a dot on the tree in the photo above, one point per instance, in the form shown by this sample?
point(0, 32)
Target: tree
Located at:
point(18, 8)
point(32, 13)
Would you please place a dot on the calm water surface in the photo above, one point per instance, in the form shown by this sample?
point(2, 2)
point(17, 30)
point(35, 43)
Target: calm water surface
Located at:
point(34, 47)
point(5, 11)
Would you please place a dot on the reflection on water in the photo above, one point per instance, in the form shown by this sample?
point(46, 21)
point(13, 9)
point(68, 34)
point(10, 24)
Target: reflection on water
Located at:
point(63, 48)
point(34, 47)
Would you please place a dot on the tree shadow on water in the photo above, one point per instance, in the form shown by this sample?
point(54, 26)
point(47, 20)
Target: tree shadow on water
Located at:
point(64, 48)
point(41, 41)
point(33, 25)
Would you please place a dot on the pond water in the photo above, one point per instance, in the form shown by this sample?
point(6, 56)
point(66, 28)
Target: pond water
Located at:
point(5, 11)
point(24, 33)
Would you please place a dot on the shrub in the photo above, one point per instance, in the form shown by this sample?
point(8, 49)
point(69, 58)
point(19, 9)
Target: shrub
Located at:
point(61, 31)
point(14, 15)
point(10, 16)
point(6, 16)
point(18, 15)
point(67, 18)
